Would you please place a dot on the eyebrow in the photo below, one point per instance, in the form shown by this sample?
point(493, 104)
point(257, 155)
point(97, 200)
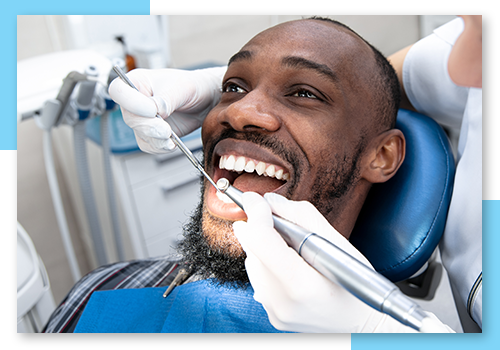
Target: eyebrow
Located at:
point(242, 55)
point(293, 62)
point(300, 62)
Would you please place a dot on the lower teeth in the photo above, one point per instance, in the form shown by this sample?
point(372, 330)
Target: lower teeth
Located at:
point(224, 197)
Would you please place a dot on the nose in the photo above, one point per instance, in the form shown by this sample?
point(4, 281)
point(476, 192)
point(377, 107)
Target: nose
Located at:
point(254, 112)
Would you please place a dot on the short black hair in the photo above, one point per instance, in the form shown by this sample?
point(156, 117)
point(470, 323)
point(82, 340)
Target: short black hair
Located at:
point(387, 88)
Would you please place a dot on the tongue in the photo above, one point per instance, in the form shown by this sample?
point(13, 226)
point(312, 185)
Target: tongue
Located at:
point(255, 183)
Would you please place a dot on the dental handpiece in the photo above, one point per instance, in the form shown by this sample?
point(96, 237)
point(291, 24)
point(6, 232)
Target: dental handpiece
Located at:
point(178, 142)
point(341, 268)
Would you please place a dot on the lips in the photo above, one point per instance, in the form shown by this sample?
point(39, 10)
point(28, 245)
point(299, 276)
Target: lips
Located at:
point(248, 167)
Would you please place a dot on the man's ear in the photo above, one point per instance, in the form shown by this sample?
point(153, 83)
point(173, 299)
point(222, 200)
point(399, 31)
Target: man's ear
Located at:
point(385, 157)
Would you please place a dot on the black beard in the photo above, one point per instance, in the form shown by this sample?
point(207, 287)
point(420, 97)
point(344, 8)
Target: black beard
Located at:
point(207, 261)
point(335, 181)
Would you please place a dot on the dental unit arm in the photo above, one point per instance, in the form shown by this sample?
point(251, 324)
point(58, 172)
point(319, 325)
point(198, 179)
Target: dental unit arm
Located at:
point(53, 111)
point(339, 267)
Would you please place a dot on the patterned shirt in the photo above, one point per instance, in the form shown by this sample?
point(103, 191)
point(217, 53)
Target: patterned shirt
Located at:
point(152, 272)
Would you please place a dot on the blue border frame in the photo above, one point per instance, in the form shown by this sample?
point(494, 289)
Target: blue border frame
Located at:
point(485, 340)
point(8, 60)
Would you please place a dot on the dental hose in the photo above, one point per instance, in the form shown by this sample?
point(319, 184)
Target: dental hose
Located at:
point(84, 103)
point(82, 170)
point(58, 205)
point(110, 185)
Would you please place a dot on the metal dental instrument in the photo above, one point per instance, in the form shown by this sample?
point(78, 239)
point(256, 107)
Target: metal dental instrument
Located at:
point(174, 136)
point(181, 276)
point(341, 268)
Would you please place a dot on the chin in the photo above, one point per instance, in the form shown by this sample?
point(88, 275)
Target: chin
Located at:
point(218, 233)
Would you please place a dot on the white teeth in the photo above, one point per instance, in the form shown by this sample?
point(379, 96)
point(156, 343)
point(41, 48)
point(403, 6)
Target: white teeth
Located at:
point(223, 197)
point(260, 168)
point(270, 170)
point(250, 167)
point(229, 164)
point(279, 174)
point(240, 164)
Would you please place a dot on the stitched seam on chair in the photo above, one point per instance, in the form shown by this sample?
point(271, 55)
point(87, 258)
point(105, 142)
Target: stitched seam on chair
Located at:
point(437, 213)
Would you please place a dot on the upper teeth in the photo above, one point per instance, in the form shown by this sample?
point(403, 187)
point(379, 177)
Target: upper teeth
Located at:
point(240, 164)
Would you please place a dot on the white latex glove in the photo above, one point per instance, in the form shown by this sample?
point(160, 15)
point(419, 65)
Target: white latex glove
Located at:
point(183, 98)
point(295, 296)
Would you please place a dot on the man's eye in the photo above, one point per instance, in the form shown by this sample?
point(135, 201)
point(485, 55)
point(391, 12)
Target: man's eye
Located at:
point(305, 93)
point(232, 88)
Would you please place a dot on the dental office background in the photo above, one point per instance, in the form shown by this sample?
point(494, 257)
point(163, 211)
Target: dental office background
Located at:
point(154, 42)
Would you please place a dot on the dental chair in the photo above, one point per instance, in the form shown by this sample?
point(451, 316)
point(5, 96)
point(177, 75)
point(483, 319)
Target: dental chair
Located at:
point(402, 220)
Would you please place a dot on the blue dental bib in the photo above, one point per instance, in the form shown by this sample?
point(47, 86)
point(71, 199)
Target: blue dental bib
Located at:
point(198, 307)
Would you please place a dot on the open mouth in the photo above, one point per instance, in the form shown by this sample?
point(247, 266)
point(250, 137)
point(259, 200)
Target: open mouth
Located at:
point(248, 168)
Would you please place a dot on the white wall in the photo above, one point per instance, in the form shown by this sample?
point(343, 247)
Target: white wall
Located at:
point(192, 39)
point(198, 39)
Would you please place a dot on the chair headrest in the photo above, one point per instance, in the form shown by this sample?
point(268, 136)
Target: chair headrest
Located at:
point(403, 220)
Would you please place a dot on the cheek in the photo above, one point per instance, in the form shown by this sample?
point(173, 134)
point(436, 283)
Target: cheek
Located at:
point(311, 132)
point(209, 125)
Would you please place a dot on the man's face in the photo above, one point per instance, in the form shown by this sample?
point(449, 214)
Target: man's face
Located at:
point(292, 120)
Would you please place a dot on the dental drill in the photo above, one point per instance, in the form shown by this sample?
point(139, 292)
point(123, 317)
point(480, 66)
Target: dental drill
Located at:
point(332, 262)
point(339, 267)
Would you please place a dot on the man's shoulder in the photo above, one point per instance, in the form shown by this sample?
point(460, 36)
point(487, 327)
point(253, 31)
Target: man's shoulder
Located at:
point(144, 273)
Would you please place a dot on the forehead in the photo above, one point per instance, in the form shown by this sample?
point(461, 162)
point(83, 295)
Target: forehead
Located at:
point(321, 42)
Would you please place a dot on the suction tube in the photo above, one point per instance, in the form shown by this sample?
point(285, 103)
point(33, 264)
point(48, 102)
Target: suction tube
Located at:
point(58, 206)
point(82, 168)
point(110, 186)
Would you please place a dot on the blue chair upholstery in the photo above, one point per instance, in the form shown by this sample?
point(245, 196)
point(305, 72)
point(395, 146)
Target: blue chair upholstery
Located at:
point(403, 219)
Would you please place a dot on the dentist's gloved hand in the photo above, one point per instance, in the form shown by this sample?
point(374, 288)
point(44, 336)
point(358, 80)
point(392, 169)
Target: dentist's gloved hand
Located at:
point(295, 296)
point(183, 98)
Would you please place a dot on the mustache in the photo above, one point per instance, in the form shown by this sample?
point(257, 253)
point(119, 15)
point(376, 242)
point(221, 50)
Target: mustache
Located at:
point(272, 143)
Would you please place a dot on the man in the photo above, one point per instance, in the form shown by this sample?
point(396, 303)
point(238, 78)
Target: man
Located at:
point(299, 115)
point(307, 111)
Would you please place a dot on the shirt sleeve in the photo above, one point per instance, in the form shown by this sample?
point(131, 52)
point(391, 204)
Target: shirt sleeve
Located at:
point(426, 80)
